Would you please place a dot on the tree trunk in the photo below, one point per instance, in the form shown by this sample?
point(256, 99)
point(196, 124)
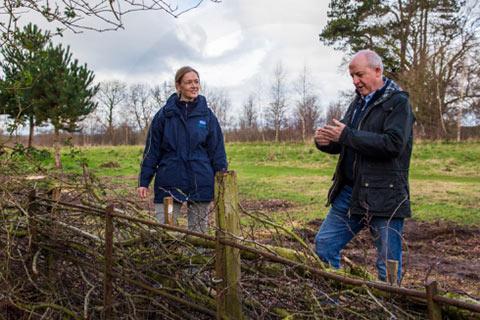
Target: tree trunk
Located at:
point(440, 113)
point(30, 133)
point(57, 148)
point(303, 130)
point(459, 124)
point(110, 134)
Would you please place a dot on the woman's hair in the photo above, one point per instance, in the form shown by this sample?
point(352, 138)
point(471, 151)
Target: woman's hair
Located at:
point(182, 71)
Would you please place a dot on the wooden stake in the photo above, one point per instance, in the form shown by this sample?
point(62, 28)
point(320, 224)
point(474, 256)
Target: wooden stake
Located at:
point(55, 194)
point(434, 310)
point(32, 197)
point(31, 209)
point(392, 272)
point(227, 263)
point(107, 285)
point(168, 210)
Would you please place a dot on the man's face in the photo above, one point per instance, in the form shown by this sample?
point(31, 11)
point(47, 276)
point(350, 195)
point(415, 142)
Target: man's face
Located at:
point(365, 78)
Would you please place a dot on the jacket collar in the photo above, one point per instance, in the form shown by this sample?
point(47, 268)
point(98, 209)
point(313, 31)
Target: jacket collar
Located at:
point(200, 105)
point(390, 87)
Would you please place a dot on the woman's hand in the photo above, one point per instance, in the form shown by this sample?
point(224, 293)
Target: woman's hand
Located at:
point(142, 192)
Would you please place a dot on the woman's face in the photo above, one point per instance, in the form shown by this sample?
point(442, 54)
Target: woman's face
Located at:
point(189, 86)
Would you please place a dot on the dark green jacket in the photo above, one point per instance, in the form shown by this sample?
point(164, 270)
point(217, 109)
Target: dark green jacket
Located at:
point(382, 144)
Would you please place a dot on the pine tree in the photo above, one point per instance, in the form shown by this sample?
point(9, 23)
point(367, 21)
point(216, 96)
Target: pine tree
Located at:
point(22, 77)
point(43, 83)
point(423, 45)
point(68, 93)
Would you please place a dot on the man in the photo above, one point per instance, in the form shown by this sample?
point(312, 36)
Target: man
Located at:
point(370, 186)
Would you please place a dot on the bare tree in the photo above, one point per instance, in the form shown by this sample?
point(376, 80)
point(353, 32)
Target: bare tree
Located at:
point(336, 109)
point(111, 95)
point(441, 77)
point(98, 15)
point(307, 112)
point(139, 104)
point(471, 112)
point(248, 118)
point(220, 103)
point(160, 94)
point(275, 113)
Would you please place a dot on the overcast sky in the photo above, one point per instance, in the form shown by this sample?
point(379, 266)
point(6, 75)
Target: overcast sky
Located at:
point(234, 45)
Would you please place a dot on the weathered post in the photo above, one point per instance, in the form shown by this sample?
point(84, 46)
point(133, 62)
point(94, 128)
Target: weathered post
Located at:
point(168, 210)
point(107, 285)
point(227, 263)
point(392, 272)
point(32, 198)
point(31, 209)
point(434, 310)
point(55, 194)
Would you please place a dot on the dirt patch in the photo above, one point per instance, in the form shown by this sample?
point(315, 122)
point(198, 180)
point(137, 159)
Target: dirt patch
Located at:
point(271, 205)
point(110, 164)
point(442, 251)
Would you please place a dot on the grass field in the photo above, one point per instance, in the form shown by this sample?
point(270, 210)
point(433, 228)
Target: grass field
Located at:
point(445, 177)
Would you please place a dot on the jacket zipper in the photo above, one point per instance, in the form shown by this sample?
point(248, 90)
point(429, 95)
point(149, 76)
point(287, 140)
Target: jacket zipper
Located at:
point(376, 103)
point(192, 175)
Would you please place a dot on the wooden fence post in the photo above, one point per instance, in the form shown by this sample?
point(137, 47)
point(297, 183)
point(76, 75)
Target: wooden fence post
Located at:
point(32, 225)
point(434, 310)
point(32, 197)
point(227, 263)
point(168, 210)
point(392, 272)
point(107, 285)
point(55, 194)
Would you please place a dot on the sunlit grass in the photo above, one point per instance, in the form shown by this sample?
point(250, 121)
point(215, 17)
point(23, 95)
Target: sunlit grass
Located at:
point(445, 177)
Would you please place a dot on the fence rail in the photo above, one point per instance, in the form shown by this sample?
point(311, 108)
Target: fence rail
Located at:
point(229, 247)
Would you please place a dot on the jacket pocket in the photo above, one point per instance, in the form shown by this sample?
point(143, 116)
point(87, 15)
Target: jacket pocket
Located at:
point(203, 172)
point(172, 173)
point(381, 193)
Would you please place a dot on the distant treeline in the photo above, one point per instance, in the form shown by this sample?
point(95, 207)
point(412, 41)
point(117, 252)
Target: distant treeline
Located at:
point(128, 136)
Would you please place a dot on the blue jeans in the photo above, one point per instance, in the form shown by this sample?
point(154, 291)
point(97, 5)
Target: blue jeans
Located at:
point(340, 227)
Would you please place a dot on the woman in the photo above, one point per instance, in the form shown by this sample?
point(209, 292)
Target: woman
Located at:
point(183, 151)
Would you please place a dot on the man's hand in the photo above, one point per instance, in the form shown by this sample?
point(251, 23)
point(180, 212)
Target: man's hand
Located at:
point(332, 132)
point(142, 192)
point(320, 138)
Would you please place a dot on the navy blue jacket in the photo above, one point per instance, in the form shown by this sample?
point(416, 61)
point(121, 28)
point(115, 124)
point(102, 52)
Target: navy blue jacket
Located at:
point(183, 151)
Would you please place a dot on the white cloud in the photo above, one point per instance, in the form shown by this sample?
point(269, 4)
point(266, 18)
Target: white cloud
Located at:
point(193, 36)
point(222, 45)
point(233, 44)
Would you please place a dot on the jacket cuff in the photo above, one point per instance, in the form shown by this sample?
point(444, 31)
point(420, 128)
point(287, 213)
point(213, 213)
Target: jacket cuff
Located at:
point(142, 182)
point(343, 135)
point(220, 169)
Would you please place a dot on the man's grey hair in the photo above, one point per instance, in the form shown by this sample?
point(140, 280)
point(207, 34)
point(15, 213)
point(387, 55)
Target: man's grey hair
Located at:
point(373, 59)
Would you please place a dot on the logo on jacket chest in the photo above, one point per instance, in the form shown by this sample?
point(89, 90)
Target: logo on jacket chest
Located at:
point(202, 124)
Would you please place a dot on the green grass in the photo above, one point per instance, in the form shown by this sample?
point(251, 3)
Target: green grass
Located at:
point(445, 177)
point(128, 159)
